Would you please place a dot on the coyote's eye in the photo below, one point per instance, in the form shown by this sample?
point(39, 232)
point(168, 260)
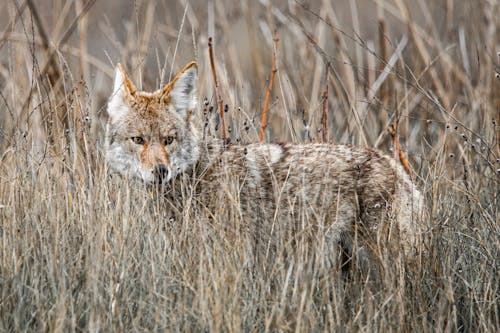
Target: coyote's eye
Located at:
point(169, 139)
point(137, 140)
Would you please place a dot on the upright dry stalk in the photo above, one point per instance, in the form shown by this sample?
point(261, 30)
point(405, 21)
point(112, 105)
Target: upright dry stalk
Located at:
point(217, 90)
point(263, 122)
point(384, 88)
point(398, 153)
point(324, 119)
point(498, 77)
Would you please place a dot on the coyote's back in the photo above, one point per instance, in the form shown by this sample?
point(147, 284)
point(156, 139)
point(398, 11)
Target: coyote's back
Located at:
point(328, 191)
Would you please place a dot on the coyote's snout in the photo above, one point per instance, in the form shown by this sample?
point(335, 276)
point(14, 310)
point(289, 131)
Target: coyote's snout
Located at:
point(329, 190)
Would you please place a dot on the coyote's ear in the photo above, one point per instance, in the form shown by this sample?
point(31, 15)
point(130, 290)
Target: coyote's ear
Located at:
point(182, 89)
point(123, 89)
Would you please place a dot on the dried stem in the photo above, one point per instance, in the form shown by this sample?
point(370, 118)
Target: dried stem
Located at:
point(398, 153)
point(384, 88)
point(263, 122)
point(324, 119)
point(217, 90)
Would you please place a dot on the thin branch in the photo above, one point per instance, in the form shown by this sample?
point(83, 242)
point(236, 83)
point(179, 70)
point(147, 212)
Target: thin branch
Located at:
point(398, 153)
point(384, 88)
point(217, 91)
point(324, 119)
point(263, 122)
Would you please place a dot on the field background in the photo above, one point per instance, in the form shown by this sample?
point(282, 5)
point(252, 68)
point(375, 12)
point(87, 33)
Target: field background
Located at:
point(84, 251)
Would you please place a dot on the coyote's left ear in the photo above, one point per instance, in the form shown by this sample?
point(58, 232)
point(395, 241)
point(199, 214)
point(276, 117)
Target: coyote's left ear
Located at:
point(182, 89)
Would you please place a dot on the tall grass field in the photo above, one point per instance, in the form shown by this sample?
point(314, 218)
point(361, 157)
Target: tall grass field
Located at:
point(84, 249)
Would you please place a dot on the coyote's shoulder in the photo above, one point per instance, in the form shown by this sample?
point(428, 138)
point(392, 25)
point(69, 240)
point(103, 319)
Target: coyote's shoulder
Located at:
point(152, 137)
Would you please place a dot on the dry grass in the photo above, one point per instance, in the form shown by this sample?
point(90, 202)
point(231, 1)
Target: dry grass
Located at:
point(83, 251)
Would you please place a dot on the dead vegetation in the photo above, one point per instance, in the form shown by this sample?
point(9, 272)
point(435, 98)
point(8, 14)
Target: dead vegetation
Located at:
point(84, 251)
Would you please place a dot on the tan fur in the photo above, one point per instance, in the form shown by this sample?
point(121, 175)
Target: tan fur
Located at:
point(280, 190)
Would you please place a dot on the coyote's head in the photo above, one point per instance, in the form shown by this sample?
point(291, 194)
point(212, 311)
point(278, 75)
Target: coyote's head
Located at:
point(150, 136)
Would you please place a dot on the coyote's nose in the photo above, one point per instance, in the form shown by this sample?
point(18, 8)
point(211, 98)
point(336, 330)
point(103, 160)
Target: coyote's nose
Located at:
point(161, 172)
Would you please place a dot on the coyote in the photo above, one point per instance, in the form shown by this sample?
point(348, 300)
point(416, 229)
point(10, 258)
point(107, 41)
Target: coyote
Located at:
point(337, 190)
